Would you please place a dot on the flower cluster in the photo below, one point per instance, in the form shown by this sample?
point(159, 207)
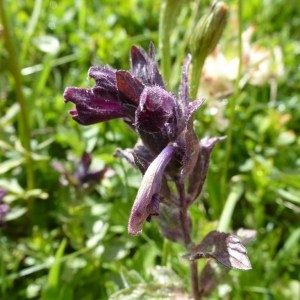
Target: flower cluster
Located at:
point(168, 148)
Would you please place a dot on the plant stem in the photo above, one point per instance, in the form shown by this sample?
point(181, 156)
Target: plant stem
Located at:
point(195, 280)
point(23, 124)
point(184, 215)
point(184, 220)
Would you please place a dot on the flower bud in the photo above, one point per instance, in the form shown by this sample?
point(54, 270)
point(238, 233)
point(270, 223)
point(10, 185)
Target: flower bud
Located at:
point(208, 30)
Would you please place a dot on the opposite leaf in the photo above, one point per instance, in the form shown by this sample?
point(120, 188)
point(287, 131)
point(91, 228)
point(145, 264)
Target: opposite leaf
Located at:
point(223, 247)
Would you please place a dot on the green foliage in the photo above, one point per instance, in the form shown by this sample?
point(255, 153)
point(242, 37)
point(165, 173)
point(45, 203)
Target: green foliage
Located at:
point(70, 242)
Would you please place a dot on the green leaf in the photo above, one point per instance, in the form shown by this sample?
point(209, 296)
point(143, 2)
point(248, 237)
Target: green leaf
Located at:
point(10, 164)
point(15, 213)
point(52, 289)
point(290, 195)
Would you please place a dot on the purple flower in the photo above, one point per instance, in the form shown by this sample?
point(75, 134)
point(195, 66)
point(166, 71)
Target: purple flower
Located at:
point(4, 208)
point(138, 96)
point(169, 148)
point(98, 104)
point(146, 203)
point(82, 176)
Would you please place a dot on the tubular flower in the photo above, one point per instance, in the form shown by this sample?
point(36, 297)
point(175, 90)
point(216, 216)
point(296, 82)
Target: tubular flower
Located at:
point(98, 104)
point(147, 200)
point(168, 148)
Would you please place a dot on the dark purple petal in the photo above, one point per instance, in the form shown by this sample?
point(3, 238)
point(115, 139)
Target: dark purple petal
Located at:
point(106, 94)
point(139, 61)
point(147, 200)
point(91, 106)
point(155, 110)
point(129, 88)
point(106, 82)
point(155, 77)
point(145, 67)
point(104, 77)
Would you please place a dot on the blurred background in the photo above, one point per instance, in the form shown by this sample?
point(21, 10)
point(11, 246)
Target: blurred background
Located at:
point(65, 199)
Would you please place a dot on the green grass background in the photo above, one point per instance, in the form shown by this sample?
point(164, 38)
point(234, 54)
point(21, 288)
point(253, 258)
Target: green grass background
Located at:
point(60, 242)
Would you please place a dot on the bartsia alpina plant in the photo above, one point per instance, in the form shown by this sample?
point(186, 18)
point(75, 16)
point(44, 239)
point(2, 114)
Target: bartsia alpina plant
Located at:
point(167, 150)
point(162, 121)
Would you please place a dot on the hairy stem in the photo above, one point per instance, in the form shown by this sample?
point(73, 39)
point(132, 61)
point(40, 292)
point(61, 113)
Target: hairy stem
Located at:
point(195, 280)
point(184, 220)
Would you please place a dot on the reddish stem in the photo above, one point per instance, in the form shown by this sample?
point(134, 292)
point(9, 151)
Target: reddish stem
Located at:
point(184, 219)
